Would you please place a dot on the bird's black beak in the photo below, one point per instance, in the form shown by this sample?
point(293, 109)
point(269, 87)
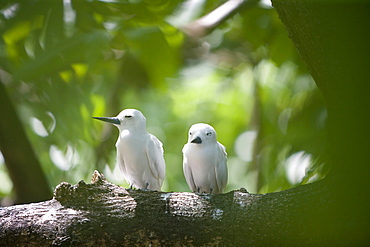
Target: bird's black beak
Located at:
point(112, 120)
point(197, 140)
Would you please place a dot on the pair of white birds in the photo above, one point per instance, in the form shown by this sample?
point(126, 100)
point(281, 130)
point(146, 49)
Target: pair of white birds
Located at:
point(140, 155)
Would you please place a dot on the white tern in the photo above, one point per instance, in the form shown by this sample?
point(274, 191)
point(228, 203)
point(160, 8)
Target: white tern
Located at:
point(204, 161)
point(139, 153)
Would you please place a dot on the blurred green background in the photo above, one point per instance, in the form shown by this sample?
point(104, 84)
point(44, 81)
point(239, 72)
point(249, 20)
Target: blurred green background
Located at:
point(64, 61)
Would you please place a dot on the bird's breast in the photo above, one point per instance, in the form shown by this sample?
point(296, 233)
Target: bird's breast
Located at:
point(198, 155)
point(131, 145)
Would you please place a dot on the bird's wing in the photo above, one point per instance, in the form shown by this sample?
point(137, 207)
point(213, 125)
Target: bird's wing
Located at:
point(221, 167)
point(188, 174)
point(154, 151)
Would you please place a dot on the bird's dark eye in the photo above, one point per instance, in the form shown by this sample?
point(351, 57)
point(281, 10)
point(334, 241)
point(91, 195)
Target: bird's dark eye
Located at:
point(209, 133)
point(190, 133)
point(128, 116)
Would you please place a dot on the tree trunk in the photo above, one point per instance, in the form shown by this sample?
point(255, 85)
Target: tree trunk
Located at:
point(333, 39)
point(12, 139)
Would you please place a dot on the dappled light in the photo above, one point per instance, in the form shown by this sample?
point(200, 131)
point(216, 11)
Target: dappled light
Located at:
point(6, 183)
point(64, 160)
point(296, 166)
point(71, 60)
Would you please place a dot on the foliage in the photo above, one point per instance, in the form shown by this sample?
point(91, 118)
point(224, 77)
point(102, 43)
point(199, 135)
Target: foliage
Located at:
point(65, 61)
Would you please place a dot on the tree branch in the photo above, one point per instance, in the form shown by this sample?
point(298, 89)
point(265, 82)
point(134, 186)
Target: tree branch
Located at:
point(206, 24)
point(196, 30)
point(101, 214)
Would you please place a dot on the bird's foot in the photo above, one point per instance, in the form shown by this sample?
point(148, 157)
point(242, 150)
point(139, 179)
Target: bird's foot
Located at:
point(146, 188)
point(131, 188)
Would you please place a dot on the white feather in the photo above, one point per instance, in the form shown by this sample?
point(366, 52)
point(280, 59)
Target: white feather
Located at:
point(204, 163)
point(139, 154)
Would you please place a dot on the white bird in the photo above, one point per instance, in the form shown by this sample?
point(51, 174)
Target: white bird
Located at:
point(204, 161)
point(139, 153)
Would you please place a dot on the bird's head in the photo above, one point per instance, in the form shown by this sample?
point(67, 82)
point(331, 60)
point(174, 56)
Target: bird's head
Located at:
point(127, 119)
point(202, 133)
